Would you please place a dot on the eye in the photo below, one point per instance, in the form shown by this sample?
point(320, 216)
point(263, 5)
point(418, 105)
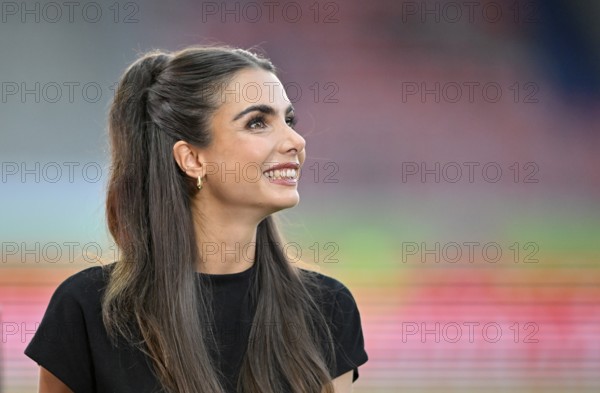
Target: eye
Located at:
point(256, 123)
point(291, 121)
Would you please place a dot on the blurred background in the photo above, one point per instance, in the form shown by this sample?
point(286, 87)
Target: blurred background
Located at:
point(452, 179)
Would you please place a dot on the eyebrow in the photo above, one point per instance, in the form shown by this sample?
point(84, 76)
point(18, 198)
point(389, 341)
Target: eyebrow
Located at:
point(266, 109)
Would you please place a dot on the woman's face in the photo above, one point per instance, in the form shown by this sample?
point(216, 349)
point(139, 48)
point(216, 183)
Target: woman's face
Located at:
point(252, 133)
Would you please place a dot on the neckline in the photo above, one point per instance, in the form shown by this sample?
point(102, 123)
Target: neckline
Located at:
point(227, 277)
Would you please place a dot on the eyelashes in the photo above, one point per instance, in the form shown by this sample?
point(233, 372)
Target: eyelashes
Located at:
point(256, 122)
point(292, 121)
point(259, 121)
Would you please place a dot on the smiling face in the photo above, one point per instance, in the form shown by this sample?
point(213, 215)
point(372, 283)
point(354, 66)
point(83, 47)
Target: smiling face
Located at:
point(253, 132)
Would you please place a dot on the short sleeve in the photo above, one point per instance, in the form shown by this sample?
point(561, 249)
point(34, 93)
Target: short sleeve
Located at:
point(61, 343)
point(348, 335)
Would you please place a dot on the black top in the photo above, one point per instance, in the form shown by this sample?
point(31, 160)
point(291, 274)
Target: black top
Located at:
point(72, 343)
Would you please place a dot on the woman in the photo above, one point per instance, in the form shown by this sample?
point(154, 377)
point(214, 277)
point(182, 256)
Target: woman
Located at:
point(203, 298)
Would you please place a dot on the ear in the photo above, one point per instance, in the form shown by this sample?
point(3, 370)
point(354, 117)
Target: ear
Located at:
point(189, 158)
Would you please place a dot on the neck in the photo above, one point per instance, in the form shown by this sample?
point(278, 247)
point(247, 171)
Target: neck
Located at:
point(226, 239)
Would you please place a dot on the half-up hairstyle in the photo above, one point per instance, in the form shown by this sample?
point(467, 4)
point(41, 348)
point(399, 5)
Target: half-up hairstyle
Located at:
point(153, 299)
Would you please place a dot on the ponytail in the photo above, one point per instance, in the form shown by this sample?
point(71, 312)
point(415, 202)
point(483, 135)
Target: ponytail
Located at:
point(140, 213)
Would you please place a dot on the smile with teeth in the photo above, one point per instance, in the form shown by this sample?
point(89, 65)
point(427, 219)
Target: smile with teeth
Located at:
point(289, 174)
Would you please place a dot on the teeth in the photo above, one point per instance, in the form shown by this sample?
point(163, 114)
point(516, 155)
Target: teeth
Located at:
point(282, 173)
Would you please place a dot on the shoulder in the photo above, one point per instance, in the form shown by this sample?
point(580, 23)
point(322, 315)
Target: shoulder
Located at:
point(325, 281)
point(96, 276)
point(71, 330)
point(83, 286)
point(90, 276)
point(332, 292)
point(345, 322)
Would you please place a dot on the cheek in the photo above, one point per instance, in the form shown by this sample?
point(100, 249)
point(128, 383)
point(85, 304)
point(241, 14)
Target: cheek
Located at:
point(244, 150)
point(251, 151)
point(247, 160)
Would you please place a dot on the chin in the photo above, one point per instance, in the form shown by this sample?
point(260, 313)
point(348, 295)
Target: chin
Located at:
point(285, 203)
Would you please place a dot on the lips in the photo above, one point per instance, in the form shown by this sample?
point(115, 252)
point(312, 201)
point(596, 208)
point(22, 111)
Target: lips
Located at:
point(286, 170)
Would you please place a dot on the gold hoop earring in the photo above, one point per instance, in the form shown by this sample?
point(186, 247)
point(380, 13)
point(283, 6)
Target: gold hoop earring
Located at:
point(199, 185)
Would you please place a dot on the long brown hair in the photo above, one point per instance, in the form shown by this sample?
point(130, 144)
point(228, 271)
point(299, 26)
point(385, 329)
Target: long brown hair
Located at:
point(153, 298)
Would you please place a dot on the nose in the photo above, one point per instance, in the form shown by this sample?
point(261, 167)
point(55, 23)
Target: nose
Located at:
point(293, 141)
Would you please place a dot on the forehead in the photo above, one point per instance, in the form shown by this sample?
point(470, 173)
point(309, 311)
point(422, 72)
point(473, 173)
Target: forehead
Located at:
point(253, 87)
